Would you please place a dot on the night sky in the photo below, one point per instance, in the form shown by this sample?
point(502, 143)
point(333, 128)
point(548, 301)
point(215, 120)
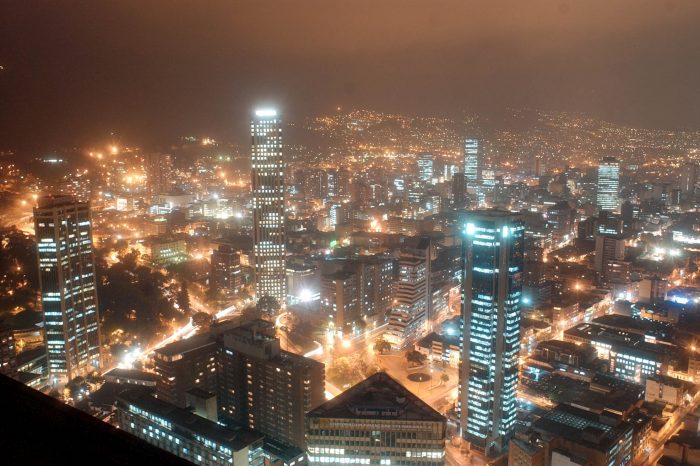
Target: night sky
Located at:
point(153, 69)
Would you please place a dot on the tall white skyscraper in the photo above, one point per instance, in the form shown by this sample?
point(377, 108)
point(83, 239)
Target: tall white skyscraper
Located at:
point(68, 286)
point(493, 246)
point(267, 172)
point(473, 163)
point(608, 194)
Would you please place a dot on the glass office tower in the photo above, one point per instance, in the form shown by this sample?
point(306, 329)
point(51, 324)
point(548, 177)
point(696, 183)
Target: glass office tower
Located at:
point(425, 167)
point(493, 244)
point(68, 287)
point(608, 194)
point(472, 162)
point(267, 173)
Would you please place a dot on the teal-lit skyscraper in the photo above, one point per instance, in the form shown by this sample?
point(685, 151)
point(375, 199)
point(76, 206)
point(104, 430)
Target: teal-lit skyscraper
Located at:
point(68, 287)
point(267, 181)
point(608, 194)
point(473, 163)
point(492, 255)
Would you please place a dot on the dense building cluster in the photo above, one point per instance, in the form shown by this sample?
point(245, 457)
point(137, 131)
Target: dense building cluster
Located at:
point(415, 291)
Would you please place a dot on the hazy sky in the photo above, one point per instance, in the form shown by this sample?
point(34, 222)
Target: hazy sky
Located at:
point(148, 69)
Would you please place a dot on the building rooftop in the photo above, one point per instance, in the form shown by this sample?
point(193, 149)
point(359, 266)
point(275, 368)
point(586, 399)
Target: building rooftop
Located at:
point(534, 324)
point(55, 200)
point(200, 393)
point(582, 427)
point(186, 420)
point(25, 320)
point(377, 397)
point(671, 381)
point(339, 275)
point(527, 447)
point(660, 330)
point(250, 332)
point(492, 213)
point(30, 355)
point(595, 397)
point(281, 451)
point(428, 340)
point(107, 394)
point(185, 346)
point(618, 339)
point(289, 359)
point(559, 345)
point(131, 374)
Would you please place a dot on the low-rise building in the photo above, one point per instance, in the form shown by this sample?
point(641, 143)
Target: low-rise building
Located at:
point(630, 356)
point(131, 377)
point(667, 390)
point(185, 434)
point(168, 251)
point(378, 421)
point(598, 439)
point(530, 448)
point(532, 331)
point(440, 348)
point(565, 352)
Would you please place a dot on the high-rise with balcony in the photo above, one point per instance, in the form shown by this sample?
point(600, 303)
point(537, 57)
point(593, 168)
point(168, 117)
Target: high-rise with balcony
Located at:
point(339, 301)
point(267, 181)
point(608, 194)
point(68, 287)
point(411, 316)
point(264, 387)
point(493, 245)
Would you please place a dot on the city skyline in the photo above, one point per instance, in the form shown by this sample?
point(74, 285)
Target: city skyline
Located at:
point(309, 233)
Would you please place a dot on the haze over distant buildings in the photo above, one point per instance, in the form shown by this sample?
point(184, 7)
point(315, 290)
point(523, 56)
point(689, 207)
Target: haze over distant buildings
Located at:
point(154, 70)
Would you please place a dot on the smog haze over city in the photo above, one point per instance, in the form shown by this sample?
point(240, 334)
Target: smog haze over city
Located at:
point(312, 233)
point(75, 70)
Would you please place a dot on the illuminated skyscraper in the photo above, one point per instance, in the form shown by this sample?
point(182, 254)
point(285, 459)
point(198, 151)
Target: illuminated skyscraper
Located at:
point(425, 167)
point(493, 247)
point(159, 173)
point(473, 163)
point(225, 272)
point(68, 286)
point(689, 178)
point(608, 195)
point(267, 172)
point(411, 315)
